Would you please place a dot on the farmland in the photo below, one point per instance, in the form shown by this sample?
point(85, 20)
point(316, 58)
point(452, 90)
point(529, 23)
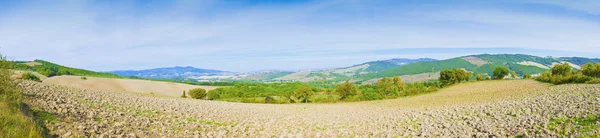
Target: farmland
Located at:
point(480, 109)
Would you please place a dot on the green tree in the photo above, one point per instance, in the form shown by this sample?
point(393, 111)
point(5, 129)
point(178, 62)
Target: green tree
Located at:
point(479, 77)
point(399, 83)
point(345, 89)
point(386, 87)
point(591, 70)
point(500, 72)
point(303, 93)
point(526, 76)
point(197, 93)
point(561, 69)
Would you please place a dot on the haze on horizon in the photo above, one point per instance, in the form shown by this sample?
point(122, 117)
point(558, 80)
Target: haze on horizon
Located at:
point(289, 35)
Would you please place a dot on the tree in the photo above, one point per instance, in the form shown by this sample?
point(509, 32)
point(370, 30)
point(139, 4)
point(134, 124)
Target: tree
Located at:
point(500, 72)
point(526, 76)
point(399, 83)
point(563, 69)
point(513, 75)
point(479, 77)
point(345, 89)
point(183, 95)
point(303, 93)
point(591, 70)
point(449, 77)
point(197, 93)
point(386, 87)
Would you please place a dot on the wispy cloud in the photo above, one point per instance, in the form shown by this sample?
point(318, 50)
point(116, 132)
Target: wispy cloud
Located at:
point(245, 36)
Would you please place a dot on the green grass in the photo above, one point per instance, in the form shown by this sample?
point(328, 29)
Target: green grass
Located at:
point(582, 125)
point(14, 124)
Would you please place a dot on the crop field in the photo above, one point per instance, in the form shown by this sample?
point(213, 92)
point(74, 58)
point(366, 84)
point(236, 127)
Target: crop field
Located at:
point(478, 109)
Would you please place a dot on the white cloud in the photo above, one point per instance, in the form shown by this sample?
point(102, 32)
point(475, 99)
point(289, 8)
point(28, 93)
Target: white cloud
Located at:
point(109, 37)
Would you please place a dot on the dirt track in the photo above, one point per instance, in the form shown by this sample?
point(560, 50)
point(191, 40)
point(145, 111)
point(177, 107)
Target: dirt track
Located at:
point(126, 85)
point(483, 109)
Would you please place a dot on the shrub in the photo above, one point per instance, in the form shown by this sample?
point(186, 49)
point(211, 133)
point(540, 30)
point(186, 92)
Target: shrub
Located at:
point(84, 78)
point(526, 76)
point(197, 93)
point(345, 89)
point(214, 94)
point(500, 72)
point(367, 96)
point(594, 81)
point(479, 77)
point(513, 75)
point(29, 76)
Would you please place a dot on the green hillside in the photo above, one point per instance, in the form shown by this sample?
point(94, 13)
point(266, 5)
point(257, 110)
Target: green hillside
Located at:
point(51, 69)
point(509, 60)
point(379, 66)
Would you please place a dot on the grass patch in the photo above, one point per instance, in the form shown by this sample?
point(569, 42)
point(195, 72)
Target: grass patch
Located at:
point(44, 116)
point(14, 124)
point(582, 125)
point(208, 122)
point(146, 113)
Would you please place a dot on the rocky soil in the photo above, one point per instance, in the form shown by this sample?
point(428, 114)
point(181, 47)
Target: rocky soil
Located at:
point(100, 113)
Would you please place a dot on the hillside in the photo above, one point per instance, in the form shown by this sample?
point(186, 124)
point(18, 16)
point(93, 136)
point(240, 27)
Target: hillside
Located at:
point(169, 73)
point(125, 85)
point(483, 64)
point(347, 73)
point(50, 69)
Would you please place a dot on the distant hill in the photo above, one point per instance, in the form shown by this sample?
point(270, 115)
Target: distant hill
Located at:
point(169, 73)
point(579, 60)
point(347, 73)
point(404, 61)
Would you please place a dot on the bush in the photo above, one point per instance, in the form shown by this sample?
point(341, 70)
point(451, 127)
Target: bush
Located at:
point(84, 78)
point(197, 93)
point(29, 76)
point(513, 75)
point(500, 72)
point(594, 81)
point(479, 77)
point(214, 94)
point(526, 76)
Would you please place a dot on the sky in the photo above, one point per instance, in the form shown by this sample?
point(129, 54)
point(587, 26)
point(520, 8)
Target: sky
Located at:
point(254, 35)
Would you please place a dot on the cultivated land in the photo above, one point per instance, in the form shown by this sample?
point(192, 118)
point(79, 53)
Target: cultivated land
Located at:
point(478, 109)
point(126, 85)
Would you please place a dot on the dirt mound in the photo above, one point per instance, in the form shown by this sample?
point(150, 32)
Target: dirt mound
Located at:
point(128, 85)
point(481, 109)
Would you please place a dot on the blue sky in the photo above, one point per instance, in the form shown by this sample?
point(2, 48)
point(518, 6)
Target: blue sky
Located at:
point(237, 35)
